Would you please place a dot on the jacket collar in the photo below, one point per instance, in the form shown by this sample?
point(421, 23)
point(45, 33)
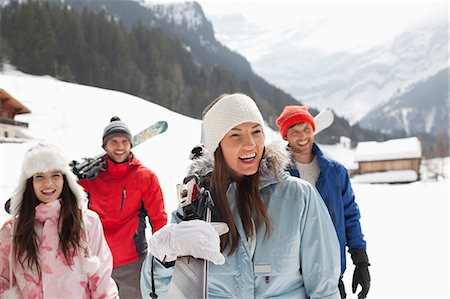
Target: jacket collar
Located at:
point(271, 169)
point(48, 211)
point(120, 169)
point(315, 150)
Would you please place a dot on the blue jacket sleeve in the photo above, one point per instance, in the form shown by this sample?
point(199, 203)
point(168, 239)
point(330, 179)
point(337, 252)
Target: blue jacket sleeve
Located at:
point(355, 237)
point(319, 250)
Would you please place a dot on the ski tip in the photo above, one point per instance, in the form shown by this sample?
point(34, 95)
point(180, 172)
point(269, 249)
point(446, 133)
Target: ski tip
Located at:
point(324, 114)
point(164, 125)
point(323, 120)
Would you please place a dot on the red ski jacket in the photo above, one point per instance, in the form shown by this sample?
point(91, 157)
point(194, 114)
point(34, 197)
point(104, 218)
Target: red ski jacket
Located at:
point(122, 195)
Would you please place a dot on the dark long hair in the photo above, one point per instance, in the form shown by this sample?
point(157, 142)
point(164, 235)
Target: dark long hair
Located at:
point(249, 203)
point(25, 238)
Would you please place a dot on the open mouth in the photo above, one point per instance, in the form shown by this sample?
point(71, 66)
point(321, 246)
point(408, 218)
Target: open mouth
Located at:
point(248, 157)
point(48, 192)
point(303, 143)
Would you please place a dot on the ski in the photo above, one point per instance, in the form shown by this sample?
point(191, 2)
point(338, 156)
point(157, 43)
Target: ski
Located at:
point(155, 129)
point(323, 120)
point(189, 279)
point(190, 275)
point(90, 166)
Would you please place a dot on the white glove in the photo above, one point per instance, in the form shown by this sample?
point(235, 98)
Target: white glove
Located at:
point(196, 238)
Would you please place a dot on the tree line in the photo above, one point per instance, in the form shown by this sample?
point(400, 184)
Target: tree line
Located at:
point(98, 50)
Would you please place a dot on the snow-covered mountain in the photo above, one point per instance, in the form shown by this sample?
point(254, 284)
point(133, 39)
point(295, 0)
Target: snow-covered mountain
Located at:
point(422, 108)
point(184, 21)
point(354, 83)
point(185, 14)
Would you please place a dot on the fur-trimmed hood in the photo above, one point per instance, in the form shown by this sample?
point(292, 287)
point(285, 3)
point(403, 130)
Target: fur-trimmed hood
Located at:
point(272, 166)
point(43, 158)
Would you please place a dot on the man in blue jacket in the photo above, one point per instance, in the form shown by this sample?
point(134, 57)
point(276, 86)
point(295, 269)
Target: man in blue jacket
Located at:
point(331, 180)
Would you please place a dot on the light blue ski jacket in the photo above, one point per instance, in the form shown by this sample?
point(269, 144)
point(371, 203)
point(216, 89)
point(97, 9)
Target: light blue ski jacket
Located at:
point(301, 257)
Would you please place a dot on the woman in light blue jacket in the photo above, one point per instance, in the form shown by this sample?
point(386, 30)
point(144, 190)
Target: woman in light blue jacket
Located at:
point(281, 240)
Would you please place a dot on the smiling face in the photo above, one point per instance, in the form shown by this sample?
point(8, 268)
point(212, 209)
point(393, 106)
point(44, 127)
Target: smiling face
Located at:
point(301, 139)
point(48, 185)
point(242, 149)
point(118, 149)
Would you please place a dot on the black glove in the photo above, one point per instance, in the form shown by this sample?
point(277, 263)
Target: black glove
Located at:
point(361, 274)
point(342, 289)
point(8, 206)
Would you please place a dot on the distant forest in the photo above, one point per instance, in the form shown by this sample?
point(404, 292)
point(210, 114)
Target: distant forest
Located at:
point(99, 50)
point(94, 49)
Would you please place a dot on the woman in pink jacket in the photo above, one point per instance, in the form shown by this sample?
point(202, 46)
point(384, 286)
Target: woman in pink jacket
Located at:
point(53, 247)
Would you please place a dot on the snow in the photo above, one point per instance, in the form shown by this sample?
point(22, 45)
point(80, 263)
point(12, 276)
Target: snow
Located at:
point(401, 148)
point(391, 176)
point(177, 13)
point(405, 225)
point(341, 153)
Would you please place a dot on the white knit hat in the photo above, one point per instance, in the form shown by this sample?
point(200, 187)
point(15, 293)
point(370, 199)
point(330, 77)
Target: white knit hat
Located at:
point(227, 113)
point(43, 158)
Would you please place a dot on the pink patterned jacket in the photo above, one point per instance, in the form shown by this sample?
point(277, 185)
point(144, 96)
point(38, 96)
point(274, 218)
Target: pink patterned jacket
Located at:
point(59, 279)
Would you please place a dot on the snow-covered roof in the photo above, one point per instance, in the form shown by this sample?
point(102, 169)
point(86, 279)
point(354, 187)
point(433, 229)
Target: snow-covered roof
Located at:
point(392, 176)
point(394, 149)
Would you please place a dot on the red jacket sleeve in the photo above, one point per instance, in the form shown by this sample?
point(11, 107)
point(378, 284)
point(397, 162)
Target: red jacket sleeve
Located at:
point(154, 202)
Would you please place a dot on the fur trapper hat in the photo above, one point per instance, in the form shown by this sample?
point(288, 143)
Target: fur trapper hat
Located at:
point(43, 158)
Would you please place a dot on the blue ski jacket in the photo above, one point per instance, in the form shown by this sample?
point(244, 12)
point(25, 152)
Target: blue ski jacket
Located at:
point(334, 186)
point(300, 259)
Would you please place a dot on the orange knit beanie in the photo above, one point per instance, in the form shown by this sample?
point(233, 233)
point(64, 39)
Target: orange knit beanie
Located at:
point(292, 115)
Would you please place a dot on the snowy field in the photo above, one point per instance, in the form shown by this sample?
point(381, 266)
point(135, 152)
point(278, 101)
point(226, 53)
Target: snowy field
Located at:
point(406, 225)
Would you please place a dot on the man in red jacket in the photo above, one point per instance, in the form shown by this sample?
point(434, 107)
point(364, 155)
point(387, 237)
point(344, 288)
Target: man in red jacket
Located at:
point(123, 194)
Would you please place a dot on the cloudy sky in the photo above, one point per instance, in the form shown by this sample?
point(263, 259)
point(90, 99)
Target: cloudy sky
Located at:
point(329, 25)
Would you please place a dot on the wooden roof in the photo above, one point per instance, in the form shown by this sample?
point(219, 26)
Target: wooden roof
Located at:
point(6, 98)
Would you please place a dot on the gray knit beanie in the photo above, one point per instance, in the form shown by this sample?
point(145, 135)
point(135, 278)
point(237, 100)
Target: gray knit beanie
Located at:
point(115, 128)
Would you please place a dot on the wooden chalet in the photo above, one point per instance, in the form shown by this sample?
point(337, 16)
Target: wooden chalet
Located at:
point(402, 154)
point(9, 108)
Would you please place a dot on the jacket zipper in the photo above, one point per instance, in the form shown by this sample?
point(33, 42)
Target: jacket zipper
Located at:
point(124, 195)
